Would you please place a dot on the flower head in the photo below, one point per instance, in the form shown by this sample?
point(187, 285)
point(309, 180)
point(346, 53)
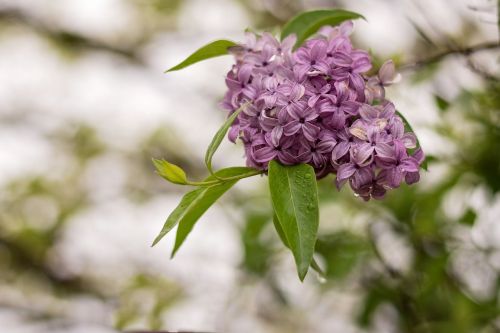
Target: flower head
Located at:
point(316, 105)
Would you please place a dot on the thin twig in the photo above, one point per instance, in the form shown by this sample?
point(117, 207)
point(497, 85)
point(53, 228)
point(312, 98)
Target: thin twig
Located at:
point(485, 8)
point(163, 332)
point(75, 40)
point(467, 51)
point(480, 71)
point(372, 237)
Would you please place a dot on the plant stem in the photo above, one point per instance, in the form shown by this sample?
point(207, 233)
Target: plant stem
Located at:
point(459, 51)
point(221, 180)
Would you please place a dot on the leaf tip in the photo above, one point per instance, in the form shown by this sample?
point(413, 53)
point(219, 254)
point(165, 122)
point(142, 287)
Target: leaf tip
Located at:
point(302, 273)
point(156, 162)
point(157, 239)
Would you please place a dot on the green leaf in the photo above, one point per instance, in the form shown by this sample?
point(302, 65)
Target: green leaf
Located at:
point(441, 103)
point(294, 194)
point(469, 218)
point(281, 234)
point(195, 203)
point(198, 205)
point(408, 128)
point(342, 251)
point(257, 249)
point(219, 136)
point(308, 23)
point(170, 172)
point(211, 50)
point(318, 269)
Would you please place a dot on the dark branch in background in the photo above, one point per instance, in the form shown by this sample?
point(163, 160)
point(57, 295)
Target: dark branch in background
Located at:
point(420, 31)
point(372, 237)
point(163, 332)
point(480, 71)
point(69, 39)
point(466, 52)
point(485, 10)
point(26, 262)
point(451, 46)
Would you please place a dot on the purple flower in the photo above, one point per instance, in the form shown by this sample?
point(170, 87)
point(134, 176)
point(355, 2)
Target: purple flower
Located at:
point(342, 105)
point(333, 33)
point(375, 85)
point(273, 122)
point(312, 59)
point(279, 48)
point(344, 143)
point(378, 115)
point(302, 120)
point(395, 164)
point(265, 151)
point(236, 80)
point(358, 168)
point(350, 67)
point(289, 94)
point(315, 105)
point(361, 62)
point(270, 93)
point(317, 152)
point(369, 138)
point(317, 88)
point(412, 177)
point(372, 188)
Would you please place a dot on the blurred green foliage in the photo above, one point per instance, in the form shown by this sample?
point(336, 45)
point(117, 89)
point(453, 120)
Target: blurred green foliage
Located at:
point(134, 306)
point(428, 294)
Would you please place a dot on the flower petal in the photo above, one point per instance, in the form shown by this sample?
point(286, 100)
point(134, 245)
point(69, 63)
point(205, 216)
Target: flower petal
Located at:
point(395, 177)
point(291, 128)
point(362, 154)
point(412, 177)
point(409, 165)
point(345, 171)
point(340, 150)
point(368, 112)
point(265, 154)
point(276, 134)
point(310, 131)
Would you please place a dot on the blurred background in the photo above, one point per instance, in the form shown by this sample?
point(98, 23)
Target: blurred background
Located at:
point(84, 106)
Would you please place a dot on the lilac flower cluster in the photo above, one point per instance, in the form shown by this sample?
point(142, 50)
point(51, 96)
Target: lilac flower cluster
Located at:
point(316, 105)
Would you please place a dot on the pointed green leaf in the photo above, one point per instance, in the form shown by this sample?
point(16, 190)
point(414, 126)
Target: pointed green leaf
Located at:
point(281, 234)
point(170, 172)
point(184, 210)
point(306, 24)
point(294, 195)
point(201, 201)
point(318, 269)
point(211, 50)
point(219, 136)
point(441, 103)
point(195, 203)
point(408, 128)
